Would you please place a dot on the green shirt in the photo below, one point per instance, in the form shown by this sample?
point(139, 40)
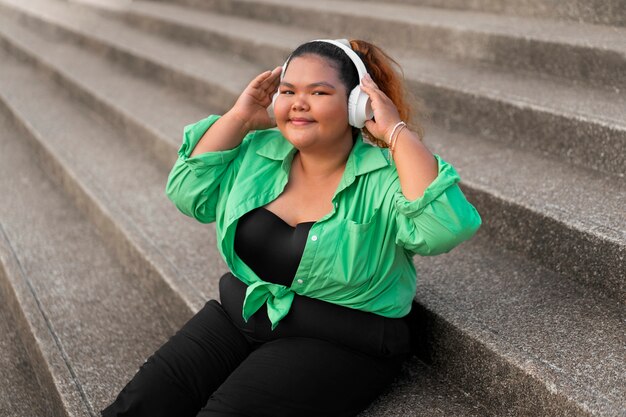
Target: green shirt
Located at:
point(359, 255)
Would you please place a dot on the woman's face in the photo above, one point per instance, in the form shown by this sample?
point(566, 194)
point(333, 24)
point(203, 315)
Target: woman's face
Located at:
point(311, 110)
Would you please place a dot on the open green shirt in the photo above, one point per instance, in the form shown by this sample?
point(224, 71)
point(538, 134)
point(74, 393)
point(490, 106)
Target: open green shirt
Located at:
point(359, 255)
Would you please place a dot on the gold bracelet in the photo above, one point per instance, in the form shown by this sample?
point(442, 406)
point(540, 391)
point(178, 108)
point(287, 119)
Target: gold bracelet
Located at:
point(394, 138)
point(394, 131)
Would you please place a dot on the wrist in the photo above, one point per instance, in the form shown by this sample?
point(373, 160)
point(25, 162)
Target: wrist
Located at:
point(392, 132)
point(238, 120)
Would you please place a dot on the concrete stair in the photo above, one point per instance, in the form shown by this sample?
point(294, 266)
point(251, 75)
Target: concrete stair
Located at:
point(528, 318)
point(611, 12)
point(20, 393)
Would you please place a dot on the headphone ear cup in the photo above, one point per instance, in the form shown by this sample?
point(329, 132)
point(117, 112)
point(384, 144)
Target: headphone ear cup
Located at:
point(282, 75)
point(359, 108)
point(352, 107)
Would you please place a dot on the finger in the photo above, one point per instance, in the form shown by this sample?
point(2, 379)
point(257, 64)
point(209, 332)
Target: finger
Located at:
point(373, 92)
point(263, 78)
point(258, 80)
point(371, 88)
point(370, 93)
point(377, 97)
point(373, 128)
point(370, 125)
point(274, 83)
point(367, 80)
point(271, 83)
point(275, 74)
point(365, 83)
point(277, 70)
point(269, 92)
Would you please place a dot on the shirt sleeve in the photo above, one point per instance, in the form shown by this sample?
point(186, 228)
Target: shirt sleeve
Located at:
point(437, 221)
point(193, 184)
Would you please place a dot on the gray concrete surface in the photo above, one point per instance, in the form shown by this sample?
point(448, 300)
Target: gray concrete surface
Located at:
point(589, 53)
point(516, 322)
point(20, 394)
point(600, 234)
point(530, 111)
point(605, 12)
point(89, 320)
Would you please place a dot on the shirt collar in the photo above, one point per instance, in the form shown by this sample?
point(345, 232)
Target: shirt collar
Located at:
point(364, 157)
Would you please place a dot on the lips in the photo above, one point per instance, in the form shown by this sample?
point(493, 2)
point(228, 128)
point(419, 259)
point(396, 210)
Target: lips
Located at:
point(300, 121)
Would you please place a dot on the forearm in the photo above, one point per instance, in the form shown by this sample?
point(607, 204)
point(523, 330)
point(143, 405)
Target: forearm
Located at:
point(416, 165)
point(226, 133)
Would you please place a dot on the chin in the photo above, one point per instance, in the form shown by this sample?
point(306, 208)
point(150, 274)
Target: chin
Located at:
point(297, 138)
point(300, 142)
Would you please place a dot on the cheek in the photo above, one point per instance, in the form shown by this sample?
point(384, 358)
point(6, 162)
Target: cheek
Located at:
point(337, 112)
point(281, 113)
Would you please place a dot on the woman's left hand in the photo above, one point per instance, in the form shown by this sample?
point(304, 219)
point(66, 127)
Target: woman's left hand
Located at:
point(386, 114)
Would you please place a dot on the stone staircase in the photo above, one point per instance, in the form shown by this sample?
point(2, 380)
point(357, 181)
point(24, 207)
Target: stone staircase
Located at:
point(98, 268)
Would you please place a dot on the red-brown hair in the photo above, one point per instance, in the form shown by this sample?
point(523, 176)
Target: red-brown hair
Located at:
point(382, 69)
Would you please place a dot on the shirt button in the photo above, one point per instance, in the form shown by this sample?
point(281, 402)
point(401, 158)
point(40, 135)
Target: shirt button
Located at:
point(314, 238)
point(300, 281)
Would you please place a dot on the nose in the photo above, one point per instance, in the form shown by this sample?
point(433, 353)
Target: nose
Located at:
point(299, 102)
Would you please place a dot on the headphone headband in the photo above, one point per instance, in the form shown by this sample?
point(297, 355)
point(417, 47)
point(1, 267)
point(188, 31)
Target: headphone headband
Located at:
point(343, 44)
point(358, 63)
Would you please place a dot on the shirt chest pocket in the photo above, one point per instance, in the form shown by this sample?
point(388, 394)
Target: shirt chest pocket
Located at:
point(358, 251)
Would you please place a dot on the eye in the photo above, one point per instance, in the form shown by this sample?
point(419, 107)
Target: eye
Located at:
point(320, 93)
point(286, 92)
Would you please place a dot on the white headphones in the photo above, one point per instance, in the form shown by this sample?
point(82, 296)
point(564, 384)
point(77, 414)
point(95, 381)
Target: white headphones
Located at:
point(359, 107)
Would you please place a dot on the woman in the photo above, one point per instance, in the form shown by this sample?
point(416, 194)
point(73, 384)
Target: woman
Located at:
point(318, 229)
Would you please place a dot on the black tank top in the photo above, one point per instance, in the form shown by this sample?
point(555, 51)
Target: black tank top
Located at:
point(273, 249)
point(270, 246)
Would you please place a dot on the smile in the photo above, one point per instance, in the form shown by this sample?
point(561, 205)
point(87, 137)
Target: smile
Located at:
point(301, 122)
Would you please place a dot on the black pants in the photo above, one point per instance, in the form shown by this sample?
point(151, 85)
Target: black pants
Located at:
point(216, 365)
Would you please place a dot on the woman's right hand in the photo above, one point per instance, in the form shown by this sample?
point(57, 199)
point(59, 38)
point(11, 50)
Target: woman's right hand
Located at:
point(251, 106)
